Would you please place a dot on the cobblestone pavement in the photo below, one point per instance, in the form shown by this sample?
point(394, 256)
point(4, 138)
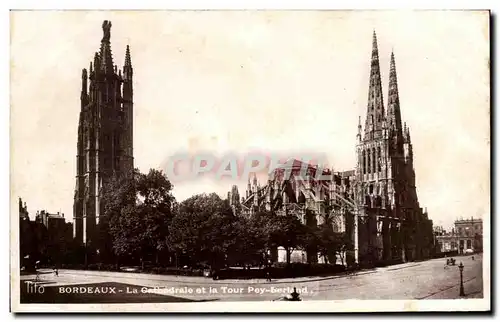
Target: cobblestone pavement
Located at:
point(417, 280)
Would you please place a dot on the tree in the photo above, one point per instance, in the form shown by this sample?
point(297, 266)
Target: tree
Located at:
point(290, 234)
point(330, 243)
point(118, 194)
point(138, 211)
point(255, 236)
point(204, 229)
point(248, 246)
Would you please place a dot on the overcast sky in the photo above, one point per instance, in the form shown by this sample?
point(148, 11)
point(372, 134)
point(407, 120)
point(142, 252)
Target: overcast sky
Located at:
point(275, 81)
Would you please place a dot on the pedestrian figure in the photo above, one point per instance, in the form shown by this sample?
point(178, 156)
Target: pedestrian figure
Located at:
point(295, 295)
point(472, 257)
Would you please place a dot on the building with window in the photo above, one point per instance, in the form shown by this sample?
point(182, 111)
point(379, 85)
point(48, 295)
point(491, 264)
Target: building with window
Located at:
point(467, 235)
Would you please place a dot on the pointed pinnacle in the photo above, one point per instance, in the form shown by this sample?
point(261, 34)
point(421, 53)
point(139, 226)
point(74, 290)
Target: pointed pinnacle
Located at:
point(374, 47)
point(128, 61)
point(393, 61)
point(392, 71)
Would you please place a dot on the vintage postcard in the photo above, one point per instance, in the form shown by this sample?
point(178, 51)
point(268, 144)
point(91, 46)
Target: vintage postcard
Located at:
point(250, 161)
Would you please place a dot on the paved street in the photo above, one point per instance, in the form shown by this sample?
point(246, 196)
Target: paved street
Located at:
point(421, 280)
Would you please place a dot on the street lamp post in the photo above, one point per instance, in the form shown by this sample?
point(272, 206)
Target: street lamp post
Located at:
point(85, 254)
point(461, 268)
point(356, 232)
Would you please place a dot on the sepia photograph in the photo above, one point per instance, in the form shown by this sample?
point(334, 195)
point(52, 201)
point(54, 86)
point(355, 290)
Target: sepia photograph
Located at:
point(240, 160)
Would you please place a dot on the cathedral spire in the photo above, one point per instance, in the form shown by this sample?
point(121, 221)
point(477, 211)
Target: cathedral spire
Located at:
point(106, 56)
point(393, 108)
point(375, 107)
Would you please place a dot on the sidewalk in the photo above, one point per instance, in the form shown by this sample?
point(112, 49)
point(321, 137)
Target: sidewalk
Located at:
point(206, 280)
point(472, 289)
point(196, 279)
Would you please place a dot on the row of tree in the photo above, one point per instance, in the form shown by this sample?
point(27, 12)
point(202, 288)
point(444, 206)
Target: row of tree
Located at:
point(143, 222)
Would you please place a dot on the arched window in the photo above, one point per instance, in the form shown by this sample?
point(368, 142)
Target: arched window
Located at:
point(368, 161)
point(373, 160)
point(364, 161)
point(379, 160)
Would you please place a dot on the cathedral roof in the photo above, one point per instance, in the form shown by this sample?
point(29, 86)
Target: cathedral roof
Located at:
point(297, 165)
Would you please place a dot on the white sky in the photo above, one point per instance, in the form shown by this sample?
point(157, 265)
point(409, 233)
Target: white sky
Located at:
point(235, 81)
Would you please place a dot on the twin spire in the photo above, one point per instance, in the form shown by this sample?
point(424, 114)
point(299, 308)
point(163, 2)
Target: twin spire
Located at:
point(376, 118)
point(393, 108)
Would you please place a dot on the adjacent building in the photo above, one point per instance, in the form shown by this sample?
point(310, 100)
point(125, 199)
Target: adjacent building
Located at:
point(466, 236)
point(105, 135)
point(376, 202)
point(47, 238)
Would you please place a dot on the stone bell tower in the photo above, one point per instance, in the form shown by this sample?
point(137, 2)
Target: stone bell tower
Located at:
point(105, 134)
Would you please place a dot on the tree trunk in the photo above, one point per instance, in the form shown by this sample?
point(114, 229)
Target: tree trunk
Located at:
point(288, 255)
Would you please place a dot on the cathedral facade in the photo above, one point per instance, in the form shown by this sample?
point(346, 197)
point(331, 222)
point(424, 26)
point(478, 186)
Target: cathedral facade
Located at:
point(376, 203)
point(105, 134)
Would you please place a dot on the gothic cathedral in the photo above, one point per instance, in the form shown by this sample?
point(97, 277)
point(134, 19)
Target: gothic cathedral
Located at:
point(390, 217)
point(375, 203)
